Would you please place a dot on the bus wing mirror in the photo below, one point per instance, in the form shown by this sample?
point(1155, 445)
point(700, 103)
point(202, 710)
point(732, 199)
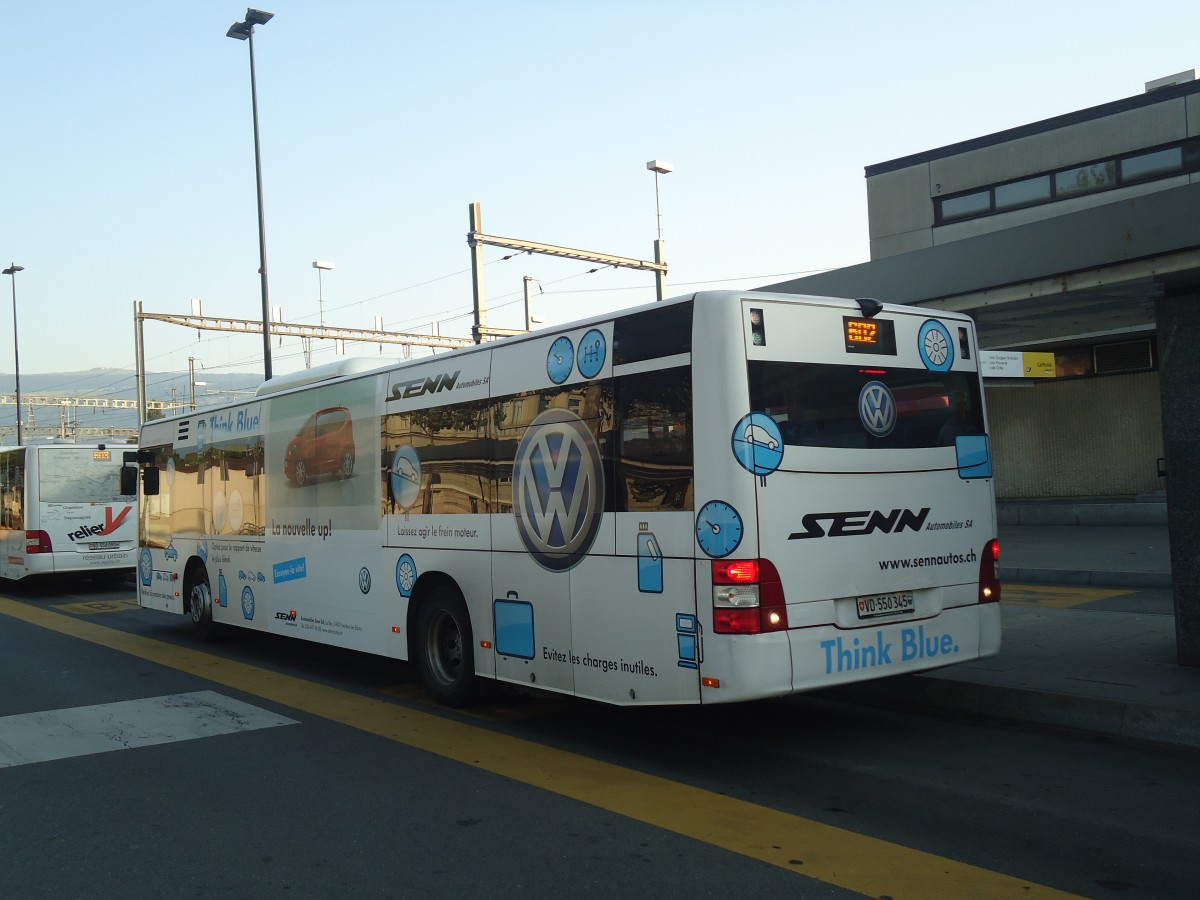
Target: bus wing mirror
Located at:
point(149, 482)
point(128, 481)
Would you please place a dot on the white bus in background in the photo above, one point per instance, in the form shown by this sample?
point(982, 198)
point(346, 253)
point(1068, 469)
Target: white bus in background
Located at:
point(62, 511)
point(716, 498)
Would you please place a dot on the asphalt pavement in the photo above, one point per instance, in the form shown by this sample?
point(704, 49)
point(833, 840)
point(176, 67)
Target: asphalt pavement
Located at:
point(1095, 653)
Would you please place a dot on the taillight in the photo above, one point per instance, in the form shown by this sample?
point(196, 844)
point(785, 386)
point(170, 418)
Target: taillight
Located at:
point(747, 597)
point(989, 584)
point(37, 542)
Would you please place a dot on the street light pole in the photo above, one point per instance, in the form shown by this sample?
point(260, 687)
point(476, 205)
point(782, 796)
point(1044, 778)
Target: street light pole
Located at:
point(658, 167)
point(244, 31)
point(321, 265)
point(12, 270)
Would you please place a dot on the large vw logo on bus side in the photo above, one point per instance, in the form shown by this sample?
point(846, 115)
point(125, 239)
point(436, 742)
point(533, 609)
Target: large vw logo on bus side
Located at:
point(877, 408)
point(558, 489)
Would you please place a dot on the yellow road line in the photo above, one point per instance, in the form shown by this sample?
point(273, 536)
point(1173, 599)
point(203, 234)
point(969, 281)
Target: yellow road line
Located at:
point(822, 852)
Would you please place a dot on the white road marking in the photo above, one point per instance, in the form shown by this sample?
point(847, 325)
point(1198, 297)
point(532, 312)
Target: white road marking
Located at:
point(63, 733)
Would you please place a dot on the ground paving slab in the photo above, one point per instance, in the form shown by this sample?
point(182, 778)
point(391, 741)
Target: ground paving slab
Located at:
point(1096, 654)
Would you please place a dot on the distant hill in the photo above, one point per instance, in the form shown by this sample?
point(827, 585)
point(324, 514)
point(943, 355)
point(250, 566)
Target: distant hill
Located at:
point(219, 387)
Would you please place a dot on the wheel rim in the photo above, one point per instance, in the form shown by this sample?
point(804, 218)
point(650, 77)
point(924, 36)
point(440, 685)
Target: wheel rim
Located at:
point(201, 603)
point(444, 649)
point(348, 465)
point(301, 472)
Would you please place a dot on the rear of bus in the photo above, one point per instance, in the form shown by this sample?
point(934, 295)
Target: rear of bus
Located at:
point(76, 518)
point(857, 458)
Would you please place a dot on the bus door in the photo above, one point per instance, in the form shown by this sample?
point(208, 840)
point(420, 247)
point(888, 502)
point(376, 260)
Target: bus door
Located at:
point(636, 629)
point(547, 432)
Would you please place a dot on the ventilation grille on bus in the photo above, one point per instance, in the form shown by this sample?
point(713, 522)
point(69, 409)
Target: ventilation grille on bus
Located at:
point(1128, 356)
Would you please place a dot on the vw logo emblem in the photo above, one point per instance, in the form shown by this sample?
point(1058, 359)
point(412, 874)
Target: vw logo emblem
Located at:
point(558, 489)
point(877, 408)
point(364, 580)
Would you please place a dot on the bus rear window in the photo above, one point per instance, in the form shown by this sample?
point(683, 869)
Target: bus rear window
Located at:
point(817, 405)
point(76, 475)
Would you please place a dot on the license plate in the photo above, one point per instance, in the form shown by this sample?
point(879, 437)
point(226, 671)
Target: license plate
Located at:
point(885, 604)
point(104, 545)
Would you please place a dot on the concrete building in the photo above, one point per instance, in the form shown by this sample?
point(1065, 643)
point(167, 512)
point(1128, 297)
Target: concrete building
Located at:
point(1077, 236)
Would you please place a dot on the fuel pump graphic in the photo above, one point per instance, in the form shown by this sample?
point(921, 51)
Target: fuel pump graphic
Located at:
point(691, 642)
point(650, 564)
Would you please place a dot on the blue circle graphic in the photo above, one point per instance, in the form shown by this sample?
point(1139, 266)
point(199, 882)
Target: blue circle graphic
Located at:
point(560, 359)
point(406, 575)
point(758, 443)
point(145, 566)
point(936, 346)
point(247, 603)
point(592, 351)
point(405, 476)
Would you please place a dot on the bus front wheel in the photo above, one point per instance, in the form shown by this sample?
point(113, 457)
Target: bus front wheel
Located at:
point(445, 647)
point(200, 605)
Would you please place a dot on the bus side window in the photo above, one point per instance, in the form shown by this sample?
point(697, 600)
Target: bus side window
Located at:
point(654, 454)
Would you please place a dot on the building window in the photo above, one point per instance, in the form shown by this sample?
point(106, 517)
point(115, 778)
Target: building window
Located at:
point(1158, 164)
point(1072, 181)
point(1085, 179)
point(1027, 192)
point(967, 206)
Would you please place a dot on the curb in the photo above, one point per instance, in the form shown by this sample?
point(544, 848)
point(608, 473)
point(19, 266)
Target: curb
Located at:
point(1164, 726)
point(1076, 577)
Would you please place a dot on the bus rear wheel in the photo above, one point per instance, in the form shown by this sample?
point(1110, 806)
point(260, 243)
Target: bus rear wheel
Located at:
point(445, 647)
point(200, 605)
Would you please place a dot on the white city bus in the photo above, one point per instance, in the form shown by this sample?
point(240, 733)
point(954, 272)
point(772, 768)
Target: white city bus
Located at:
point(62, 510)
point(715, 498)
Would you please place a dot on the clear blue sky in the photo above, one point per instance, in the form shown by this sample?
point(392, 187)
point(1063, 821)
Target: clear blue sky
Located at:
point(128, 163)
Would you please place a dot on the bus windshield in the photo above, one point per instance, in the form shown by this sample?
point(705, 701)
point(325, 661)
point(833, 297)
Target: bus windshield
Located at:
point(817, 405)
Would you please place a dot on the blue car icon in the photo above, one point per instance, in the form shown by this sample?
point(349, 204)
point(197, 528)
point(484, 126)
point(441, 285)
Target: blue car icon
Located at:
point(171, 552)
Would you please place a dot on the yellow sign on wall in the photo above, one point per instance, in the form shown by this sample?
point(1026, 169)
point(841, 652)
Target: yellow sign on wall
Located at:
point(1016, 364)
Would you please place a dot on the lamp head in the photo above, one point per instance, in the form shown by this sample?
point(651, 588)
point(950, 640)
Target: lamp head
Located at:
point(14, 269)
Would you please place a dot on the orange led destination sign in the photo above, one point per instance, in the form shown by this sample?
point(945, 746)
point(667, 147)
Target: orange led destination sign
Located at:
point(869, 335)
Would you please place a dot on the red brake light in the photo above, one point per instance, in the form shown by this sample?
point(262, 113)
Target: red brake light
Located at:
point(756, 605)
point(737, 571)
point(37, 542)
point(989, 583)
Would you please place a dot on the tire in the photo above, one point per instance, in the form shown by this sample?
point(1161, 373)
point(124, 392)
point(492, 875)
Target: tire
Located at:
point(300, 473)
point(347, 464)
point(200, 605)
point(446, 648)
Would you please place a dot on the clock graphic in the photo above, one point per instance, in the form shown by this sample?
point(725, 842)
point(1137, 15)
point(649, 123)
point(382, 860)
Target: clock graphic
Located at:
point(933, 340)
point(718, 528)
point(560, 359)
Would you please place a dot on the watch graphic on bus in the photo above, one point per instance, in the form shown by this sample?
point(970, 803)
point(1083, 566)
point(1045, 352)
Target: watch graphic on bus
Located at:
point(934, 342)
point(718, 528)
point(560, 360)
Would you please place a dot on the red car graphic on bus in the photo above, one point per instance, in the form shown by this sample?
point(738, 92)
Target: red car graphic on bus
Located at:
point(324, 445)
